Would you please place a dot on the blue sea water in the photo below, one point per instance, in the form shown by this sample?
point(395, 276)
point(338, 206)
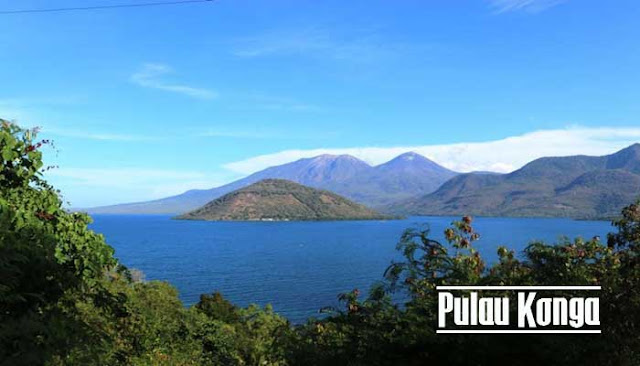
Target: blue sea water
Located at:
point(298, 267)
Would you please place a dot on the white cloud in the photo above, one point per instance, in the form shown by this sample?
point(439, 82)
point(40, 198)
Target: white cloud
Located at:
point(530, 6)
point(150, 77)
point(503, 155)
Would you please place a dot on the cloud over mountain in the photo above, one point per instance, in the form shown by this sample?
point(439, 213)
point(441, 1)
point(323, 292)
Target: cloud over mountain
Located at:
point(503, 155)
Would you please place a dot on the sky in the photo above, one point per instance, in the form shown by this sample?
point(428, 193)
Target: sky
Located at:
point(147, 102)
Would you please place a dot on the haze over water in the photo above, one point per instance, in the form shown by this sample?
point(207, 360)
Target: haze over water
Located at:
point(298, 267)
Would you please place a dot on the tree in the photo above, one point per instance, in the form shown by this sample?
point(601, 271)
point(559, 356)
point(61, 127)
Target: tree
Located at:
point(48, 257)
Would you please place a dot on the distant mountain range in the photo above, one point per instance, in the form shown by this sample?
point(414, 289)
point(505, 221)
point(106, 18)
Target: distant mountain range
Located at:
point(407, 175)
point(575, 186)
point(281, 200)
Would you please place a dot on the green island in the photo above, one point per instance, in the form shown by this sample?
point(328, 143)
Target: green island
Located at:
point(282, 200)
point(65, 299)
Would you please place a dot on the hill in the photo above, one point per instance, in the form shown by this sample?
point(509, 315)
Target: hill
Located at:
point(281, 200)
point(574, 186)
point(408, 175)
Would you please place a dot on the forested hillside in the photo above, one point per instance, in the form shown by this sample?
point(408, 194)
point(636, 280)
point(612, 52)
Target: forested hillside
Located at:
point(574, 186)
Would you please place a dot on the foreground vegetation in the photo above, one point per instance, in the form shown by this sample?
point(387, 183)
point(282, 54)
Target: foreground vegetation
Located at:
point(65, 300)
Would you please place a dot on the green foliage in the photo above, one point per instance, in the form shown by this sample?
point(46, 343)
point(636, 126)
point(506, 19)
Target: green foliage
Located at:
point(279, 199)
point(65, 300)
point(48, 257)
point(375, 332)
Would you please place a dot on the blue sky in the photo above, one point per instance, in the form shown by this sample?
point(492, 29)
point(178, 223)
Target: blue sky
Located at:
point(147, 102)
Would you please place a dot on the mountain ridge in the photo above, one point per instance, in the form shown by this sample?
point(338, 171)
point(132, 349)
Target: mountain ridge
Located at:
point(578, 186)
point(343, 174)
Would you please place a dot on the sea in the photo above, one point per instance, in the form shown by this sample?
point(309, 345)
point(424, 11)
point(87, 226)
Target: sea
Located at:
point(298, 267)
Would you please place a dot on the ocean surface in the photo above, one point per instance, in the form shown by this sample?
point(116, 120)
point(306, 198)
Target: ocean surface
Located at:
point(298, 267)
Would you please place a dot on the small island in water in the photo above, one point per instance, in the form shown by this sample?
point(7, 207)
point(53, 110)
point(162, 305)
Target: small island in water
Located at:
point(282, 200)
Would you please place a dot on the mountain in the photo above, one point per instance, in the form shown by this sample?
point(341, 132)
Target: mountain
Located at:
point(405, 176)
point(574, 186)
point(281, 200)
